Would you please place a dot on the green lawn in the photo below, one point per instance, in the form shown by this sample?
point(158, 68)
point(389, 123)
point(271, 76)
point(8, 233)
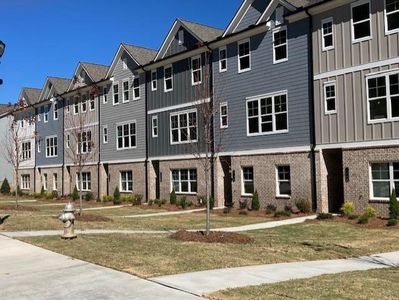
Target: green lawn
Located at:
point(381, 284)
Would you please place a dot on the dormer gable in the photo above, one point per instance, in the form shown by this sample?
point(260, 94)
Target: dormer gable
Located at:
point(87, 74)
point(29, 96)
point(53, 86)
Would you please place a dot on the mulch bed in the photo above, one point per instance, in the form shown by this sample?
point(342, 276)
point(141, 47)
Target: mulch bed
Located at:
point(91, 218)
point(213, 237)
point(374, 223)
point(19, 208)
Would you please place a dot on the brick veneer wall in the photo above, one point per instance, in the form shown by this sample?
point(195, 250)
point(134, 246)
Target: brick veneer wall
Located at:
point(138, 170)
point(49, 172)
point(31, 173)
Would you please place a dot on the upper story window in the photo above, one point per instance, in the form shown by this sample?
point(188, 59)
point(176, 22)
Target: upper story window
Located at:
point(92, 103)
point(244, 56)
point(247, 184)
point(51, 146)
point(224, 121)
point(115, 90)
point(196, 70)
point(26, 150)
point(105, 134)
point(280, 50)
point(154, 80)
point(181, 37)
point(55, 111)
point(267, 114)
point(124, 64)
point(84, 103)
point(136, 87)
point(67, 106)
point(391, 16)
point(327, 33)
point(39, 146)
point(361, 25)
point(154, 123)
point(46, 112)
point(84, 142)
point(384, 178)
point(383, 97)
point(76, 107)
point(222, 59)
point(126, 136)
point(168, 79)
point(183, 127)
point(283, 181)
point(125, 87)
point(105, 95)
point(39, 113)
point(330, 98)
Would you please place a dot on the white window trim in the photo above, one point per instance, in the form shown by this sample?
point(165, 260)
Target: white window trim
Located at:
point(121, 124)
point(113, 93)
point(120, 182)
point(391, 179)
point(105, 95)
point(220, 60)
point(154, 80)
point(76, 104)
point(134, 88)
point(388, 32)
point(55, 182)
point(221, 116)
point(170, 126)
point(355, 4)
point(179, 192)
point(388, 97)
point(278, 194)
point(324, 21)
point(282, 28)
point(242, 181)
point(55, 111)
point(123, 91)
point(325, 85)
point(47, 138)
point(105, 127)
point(92, 101)
point(46, 113)
point(26, 154)
point(78, 186)
point(273, 114)
point(39, 146)
point(164, 78)
point(124, 64)
point(86, 142)
point(152, 126)
point(192, 70)
point(249, 55)
point(23, 186)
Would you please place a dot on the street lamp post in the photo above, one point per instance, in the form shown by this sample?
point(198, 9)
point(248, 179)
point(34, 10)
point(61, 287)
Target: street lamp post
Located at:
point(2, 48)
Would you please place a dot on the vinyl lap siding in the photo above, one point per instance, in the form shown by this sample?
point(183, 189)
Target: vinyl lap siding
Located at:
point(253, 14)
point(190, 42)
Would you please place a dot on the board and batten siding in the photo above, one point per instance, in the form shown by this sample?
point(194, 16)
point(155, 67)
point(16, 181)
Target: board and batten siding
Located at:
point(175, 47)
point(252, 15)
point(134, 110)
point(265, 77)
point(350, 123)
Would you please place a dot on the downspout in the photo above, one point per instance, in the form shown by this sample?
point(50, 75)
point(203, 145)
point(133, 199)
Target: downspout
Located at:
point(146, 137)
point(312, 113)
point(99, 149)
point(34, 168)
point(63, 149)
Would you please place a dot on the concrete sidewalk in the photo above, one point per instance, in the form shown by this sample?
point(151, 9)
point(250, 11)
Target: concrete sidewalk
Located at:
point(201, 283)
point(163, 214)
point(29, 272)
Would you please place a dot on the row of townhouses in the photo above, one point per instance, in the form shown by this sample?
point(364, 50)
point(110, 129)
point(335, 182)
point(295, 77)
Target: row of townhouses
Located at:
point(307, 94)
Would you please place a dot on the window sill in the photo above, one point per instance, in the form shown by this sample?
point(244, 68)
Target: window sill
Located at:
point(392, 31)
point(187, 194)
point(244, 71)
point(362, 40)
point(283, 197)
point(267, 133)
point(246, 195)
point(380, 200)
point(334, 112)
point(121, 149)
point(280, 61)
point(328, 49)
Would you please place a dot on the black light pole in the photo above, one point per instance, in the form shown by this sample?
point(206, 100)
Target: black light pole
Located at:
point(2, 48)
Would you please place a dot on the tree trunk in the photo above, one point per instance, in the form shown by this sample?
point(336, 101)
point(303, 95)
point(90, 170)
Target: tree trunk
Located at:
point(80, 192)
point(16, 190)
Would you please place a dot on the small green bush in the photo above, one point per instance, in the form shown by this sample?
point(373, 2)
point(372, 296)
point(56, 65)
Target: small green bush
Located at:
point(282, 213)
point(303, 205)
point(42, 191)
point(55, 194)
point(392, 222)
point(89, 196)
point(183, 203)
point(5, 187)
point(163, 201)
point(158, 202)
point(324, 216)
point(348, 208)
point(363, 219)
point(243, 203)
point(353, 217)
point(255, 205)
point(75, 194)
point(49, 195)
point(173, 199)
point(117, 196)
point(137, 199)
point(107, 198)
point(271, 208)
point(37, 195)
point(393, 206)
point(370, 212)
point(151, 202)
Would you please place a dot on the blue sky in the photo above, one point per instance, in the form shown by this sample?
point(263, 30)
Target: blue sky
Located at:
point(49, 37)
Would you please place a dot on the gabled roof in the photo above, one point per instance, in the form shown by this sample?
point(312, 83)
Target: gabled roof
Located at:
point(140, 55)
point(96, 72)
point(32, 94)
point(60, 86)
point(201, 32)
point(5, 109)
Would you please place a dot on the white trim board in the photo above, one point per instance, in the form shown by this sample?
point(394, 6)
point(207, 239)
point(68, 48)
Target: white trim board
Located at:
point(267, 151)
point(176, 157)
point(123, 161)
point(49, 166)
point(365, 144)
point(174, 107)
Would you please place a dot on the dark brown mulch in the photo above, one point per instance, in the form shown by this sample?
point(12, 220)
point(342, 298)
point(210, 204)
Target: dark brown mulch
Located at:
point(92, 218)
point(213, 237)
point(19, 208)
point(374, 223)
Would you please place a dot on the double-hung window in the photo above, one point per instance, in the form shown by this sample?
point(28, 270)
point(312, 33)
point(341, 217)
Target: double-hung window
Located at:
point(85, 183)
point(280, 49)
point(126, 135)
point(105, 134)
point(26, 150)
point(92, 103)
point(125, 87)
point(267, 114)
point(136, 87)
point(115, 93)
point(105, 95)
point(183, 127)
point(154, 123)
point(55, 182)
point(247, 184)
point(154, 80)
point(330, 98)
point(384, 178)
point(283, 181)
point(126, 181)
point(224, 118)
point(383, 97)
point(84, 142)
point(76, 107)
point(244, 56)
point(45, 181)
point(222, 59)
point(84, 103)
point(327, 33)
point(55, 111)
point(25, 182)
point(51, 146)
point(184, 181)
point(196, 70)
point(361, 25)
point(168, 79)
point(391, 16)
point(46, 112)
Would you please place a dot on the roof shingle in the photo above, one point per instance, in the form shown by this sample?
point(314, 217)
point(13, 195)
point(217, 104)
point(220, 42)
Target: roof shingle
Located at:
point(142, 55)
point(96, 71)
point(204, 32)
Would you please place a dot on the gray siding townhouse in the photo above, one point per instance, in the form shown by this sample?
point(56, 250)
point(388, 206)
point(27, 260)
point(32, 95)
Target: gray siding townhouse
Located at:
point(6, 170)
point(123, 122)
point(177, 81)
point(262, 93)
point(356, 101)
point(49, 135)
point(81, 128)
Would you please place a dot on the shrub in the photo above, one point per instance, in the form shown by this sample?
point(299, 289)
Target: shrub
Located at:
point(151, 202)
point(183, 202)
point(75, 194)
point(303, 205)
point(324, 216)
point(158, 202)
point(392, 222)
point(107, 198)
point(137, 198)
point(226, 210)
point(37, 195)
point(282, 213)
point(49, 195)
point(363, 219)
point(288, 208)
point(353, 217)
point(173, 199)
point(163, 201)
point(117, 196)
point(348, 208)
point(271, 208)
point(55, 194)
point(255, 205)
point(243, 204)
point(89, 196)
point(370, 212)
point(127, 198)
point(5, 187)
point(393, 206)
point(211, 203)
point(42, 191)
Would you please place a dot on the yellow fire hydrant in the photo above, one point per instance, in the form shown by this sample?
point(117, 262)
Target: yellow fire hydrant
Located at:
point(68, 218)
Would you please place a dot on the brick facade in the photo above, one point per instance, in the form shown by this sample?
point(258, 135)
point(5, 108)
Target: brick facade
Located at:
point(31, 173)
point(50, 179)
point(138, 170)
point(70, 179)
